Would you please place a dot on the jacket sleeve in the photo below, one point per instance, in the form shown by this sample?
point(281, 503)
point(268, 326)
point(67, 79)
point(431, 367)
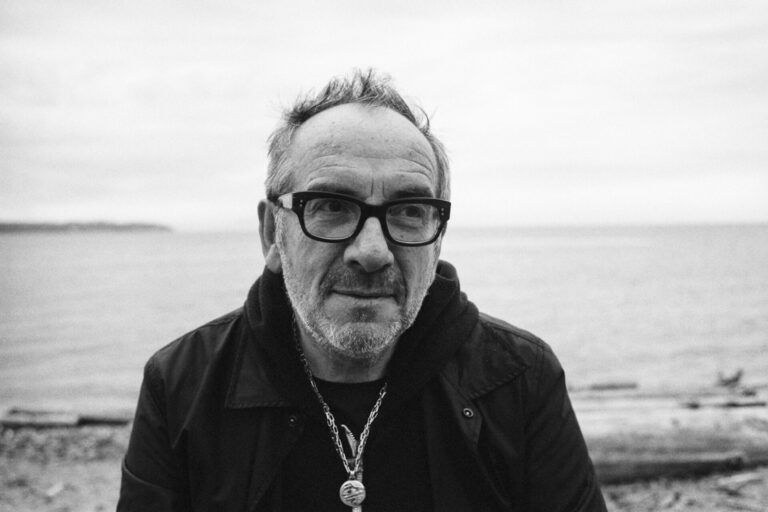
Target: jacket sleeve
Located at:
point(152, 477)
point(560, 475)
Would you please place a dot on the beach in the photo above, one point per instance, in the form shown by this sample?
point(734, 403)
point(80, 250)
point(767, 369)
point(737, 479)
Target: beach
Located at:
point(78, 470)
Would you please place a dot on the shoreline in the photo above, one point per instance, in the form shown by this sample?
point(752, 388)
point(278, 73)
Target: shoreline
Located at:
point(81, 227)
point(67, 468)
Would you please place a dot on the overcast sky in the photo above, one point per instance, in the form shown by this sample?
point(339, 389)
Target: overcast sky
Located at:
point(553, 112)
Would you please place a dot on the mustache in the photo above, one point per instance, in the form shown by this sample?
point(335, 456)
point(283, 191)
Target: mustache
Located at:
point(385, 282)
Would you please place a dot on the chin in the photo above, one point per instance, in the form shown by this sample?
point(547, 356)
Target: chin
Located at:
point(364, 341)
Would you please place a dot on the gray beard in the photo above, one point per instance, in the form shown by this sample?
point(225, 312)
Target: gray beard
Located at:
point(360, 340)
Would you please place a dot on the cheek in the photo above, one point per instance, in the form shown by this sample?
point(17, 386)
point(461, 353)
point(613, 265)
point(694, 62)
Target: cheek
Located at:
point(314, 260)
point(309, 258)
point(418, 269)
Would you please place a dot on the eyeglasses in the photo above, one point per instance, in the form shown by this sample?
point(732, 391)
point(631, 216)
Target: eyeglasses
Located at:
point(330, 217)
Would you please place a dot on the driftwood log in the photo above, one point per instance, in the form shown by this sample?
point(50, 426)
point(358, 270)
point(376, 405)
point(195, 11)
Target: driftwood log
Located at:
point(634, 434)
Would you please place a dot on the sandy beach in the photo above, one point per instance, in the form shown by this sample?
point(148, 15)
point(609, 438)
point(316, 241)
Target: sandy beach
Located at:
point(78, 470)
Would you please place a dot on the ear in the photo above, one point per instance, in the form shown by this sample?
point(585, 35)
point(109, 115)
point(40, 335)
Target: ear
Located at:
point(267, 235)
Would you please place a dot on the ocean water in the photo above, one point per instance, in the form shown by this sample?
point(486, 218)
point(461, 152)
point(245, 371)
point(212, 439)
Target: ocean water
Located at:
point(666, 307)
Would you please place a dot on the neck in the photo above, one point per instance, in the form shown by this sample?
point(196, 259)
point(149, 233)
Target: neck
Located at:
point(327, 364)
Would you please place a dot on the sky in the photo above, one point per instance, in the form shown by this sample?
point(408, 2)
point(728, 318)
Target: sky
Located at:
point(553, 112)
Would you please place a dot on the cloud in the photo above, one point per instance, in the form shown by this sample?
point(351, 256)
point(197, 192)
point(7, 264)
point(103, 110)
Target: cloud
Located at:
point(137, 109)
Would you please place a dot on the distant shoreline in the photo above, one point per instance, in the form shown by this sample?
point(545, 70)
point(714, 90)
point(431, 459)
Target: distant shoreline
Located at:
point(78, 227)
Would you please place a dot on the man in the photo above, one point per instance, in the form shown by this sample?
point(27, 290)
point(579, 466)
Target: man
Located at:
point(357, 375)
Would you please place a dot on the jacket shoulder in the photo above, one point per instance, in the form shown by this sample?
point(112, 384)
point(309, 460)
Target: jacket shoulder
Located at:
point(186, 359)
point(200, 343)
point(497, 353)
point(524, 346)
point(512, 333)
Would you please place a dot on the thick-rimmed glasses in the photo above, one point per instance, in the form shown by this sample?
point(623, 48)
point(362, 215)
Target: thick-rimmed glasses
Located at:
point(331, 217)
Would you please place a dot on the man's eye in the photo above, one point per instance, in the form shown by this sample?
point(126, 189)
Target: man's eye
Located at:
point(412, 211)
point(329, 206)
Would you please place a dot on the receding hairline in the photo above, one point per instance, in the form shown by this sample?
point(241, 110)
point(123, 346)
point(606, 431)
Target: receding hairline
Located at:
point(330, 145)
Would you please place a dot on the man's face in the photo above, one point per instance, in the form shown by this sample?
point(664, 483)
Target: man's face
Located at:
point(355, 298)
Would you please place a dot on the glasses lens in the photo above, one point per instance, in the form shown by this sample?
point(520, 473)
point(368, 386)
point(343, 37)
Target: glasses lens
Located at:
point(331, 218)
point(413, 222)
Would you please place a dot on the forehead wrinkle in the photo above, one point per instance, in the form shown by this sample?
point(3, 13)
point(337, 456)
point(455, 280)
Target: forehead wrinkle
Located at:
point(333, 143)
point(346, 171)
point(428, 156)
point(324, 170)
point(324, 147)
point(329, 160)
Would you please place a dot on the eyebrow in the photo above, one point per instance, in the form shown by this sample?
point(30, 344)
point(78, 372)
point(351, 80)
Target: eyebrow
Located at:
point(334, 187)
point(413, 190)
point(403, 193)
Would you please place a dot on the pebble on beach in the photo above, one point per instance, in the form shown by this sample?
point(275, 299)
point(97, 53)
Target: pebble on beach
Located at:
point(78, 470)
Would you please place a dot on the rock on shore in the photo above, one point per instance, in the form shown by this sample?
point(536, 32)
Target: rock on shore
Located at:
point(78, 470)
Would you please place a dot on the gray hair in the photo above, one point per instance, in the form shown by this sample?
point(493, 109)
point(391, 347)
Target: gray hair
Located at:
point(363, 87)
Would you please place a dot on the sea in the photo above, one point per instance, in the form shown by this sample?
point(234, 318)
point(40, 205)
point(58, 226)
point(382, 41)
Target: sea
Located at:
point(661, 307)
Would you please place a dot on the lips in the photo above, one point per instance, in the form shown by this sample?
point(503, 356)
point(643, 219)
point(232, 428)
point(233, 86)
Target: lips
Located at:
point(366, 294)
point(345, 282)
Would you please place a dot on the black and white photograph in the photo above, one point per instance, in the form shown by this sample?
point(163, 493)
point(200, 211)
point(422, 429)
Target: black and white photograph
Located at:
point(393, 256)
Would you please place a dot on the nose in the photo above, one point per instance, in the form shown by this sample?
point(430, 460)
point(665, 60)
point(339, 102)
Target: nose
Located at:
point(369, 249)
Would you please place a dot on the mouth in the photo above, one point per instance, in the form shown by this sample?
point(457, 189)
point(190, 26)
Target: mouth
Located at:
point(366, 294)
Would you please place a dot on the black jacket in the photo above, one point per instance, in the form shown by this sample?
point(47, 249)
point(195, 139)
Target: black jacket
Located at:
point(220, 408)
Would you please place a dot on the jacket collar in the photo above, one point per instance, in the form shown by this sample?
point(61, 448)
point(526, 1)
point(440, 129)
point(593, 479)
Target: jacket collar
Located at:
point(267, 370)
point(444, 338)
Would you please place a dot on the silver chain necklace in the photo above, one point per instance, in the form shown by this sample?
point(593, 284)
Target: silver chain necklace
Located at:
point(352, 491)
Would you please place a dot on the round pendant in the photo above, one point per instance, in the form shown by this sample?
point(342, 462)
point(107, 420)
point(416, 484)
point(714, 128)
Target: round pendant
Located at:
point(352, 493)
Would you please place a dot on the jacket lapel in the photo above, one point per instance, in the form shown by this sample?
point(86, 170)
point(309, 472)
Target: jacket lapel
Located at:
point(267, 378)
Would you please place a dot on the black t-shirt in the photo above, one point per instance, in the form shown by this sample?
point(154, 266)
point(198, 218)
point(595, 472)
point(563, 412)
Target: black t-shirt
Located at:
point(395, 470)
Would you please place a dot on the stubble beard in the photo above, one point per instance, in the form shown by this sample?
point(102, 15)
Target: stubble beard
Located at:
point(361, 340)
